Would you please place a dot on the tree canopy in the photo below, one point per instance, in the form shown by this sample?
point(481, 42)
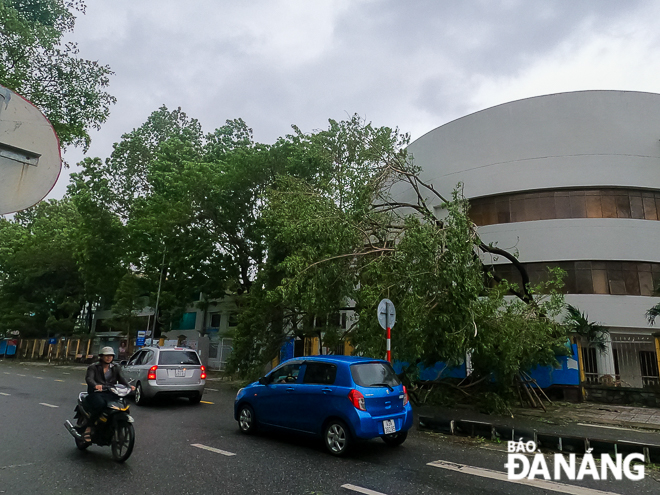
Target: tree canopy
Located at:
point(35, 63)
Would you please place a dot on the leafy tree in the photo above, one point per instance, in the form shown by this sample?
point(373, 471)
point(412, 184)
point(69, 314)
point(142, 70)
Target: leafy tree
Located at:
point(41, 289)
point(36, 64)
point(339, 233)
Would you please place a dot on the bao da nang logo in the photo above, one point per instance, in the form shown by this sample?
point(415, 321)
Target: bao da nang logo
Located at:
point(520, 465)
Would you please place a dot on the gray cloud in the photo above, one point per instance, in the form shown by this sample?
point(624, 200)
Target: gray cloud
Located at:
point(415, 65)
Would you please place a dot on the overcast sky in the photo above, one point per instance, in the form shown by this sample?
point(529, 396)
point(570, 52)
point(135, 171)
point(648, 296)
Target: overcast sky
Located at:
point(413, 65)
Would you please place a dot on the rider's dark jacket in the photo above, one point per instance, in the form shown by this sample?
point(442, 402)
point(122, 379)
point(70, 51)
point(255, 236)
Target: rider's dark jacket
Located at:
point(95, 376)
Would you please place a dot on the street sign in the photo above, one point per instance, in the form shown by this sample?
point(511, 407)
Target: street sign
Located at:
point(141, 337)
point(30, 160)
point(386, 314)
point(52, 341)
point(387, 318)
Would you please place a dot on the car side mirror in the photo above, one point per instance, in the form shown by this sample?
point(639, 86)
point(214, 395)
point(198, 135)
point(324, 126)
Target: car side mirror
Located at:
point(263, 380)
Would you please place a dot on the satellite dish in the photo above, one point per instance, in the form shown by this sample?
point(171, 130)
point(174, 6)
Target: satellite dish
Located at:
point(30, 160)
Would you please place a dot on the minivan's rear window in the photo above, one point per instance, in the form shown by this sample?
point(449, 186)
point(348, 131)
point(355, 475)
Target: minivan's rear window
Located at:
point(178, 357)
point(374, 375)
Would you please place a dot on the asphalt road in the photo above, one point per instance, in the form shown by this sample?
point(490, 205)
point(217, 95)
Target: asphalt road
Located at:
point(38, 456)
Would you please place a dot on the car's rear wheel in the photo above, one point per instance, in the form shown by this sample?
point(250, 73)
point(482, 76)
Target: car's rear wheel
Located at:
point(246, 420)
point(140, 400)
point(337, 437)
point(195, 399)
point(395, 439)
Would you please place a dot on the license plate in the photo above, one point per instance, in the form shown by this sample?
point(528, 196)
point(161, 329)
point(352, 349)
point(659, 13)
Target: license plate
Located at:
point(179, 372)
point(388, 426)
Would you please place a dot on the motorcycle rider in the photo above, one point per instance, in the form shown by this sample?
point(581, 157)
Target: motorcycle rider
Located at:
point(100, 375)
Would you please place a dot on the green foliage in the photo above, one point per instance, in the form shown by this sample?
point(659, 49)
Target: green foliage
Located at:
point(34, 63)
point(577, 322)
point(336, 237)
point(41, 290)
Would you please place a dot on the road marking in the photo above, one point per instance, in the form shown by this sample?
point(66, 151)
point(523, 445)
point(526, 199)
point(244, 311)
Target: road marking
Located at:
point(83, 384)
point(608, 427)
point(211, 389)
point(58, 380)
point(217, 451)
point(359, 489)
point(206, 402)
point(65, 373)
point(501, 476)
point(39, 377)
point(2, 393)
point(47, 405)
point(18, 374)
point(16, 465)
point(6, 373)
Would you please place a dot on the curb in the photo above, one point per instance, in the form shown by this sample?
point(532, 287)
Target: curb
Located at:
point(562, 443)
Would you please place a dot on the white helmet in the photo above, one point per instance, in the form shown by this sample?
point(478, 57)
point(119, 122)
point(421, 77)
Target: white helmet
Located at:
point(107, 351)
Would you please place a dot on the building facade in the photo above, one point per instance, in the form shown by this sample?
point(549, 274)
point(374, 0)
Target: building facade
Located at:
point(569, 180)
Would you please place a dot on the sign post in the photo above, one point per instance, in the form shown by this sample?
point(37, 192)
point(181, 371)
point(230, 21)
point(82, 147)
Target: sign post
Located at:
point(387, 318)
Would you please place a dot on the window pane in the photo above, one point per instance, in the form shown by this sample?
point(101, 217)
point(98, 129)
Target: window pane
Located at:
point(578, 205)
point(593, 207)
point(650, 212)
point(321, 373)
point(636, 206)
point(623, 206)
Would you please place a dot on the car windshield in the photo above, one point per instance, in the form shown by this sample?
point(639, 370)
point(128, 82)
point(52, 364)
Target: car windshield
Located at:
point(374, 375)
point(178, 357)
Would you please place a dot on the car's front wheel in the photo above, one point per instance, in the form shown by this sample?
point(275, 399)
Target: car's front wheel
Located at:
point(337, 437)
point(395, 439)
point(246, 420)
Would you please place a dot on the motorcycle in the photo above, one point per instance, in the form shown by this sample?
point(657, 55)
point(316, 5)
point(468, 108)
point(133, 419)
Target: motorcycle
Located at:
point(114, 426)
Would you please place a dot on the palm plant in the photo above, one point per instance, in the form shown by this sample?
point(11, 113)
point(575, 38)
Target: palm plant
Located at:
point(578, 323)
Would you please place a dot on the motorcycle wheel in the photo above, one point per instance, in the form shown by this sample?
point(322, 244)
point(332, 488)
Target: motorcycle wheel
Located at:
point(81, 444)
point(123, 440)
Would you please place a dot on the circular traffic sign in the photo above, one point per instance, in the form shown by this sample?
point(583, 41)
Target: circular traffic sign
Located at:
point(386, 314)
point(30, 160)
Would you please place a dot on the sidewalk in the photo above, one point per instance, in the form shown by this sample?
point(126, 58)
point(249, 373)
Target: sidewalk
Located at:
point(608, 428)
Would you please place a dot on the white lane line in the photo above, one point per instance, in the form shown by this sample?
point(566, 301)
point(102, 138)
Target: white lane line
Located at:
point(607, 427)
point(66, 373)
point(359, 489)
point(47, 405)
point(18, 374)
point(217, 451)
point(59, 380)
point(39, 377)
point(552, 486)
point(2, 393)
point(16, 465)
point(6, 373)
point(211, 389)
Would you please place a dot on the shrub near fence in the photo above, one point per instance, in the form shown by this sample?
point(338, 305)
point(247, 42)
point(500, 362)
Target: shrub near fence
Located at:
point(71, 350)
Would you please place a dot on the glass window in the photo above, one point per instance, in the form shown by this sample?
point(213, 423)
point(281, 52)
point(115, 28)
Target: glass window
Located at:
point(285, 374)
point(569, 203)
point(321, 373)
point(215, 320)
point(178, 357)
point(134, 358)
point(592, 277)
point(374, 375)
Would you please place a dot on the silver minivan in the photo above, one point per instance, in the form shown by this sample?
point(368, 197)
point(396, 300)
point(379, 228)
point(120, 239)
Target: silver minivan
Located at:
point(165, 371)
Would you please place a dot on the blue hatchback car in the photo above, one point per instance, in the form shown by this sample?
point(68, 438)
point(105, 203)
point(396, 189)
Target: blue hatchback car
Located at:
point(339, 398)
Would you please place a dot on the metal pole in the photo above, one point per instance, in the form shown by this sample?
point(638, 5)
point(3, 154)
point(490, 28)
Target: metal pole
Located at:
point(160, 283)
point(389, 329)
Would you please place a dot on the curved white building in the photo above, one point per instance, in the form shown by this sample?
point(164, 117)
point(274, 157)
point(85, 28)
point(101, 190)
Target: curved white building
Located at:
point(569, 180)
